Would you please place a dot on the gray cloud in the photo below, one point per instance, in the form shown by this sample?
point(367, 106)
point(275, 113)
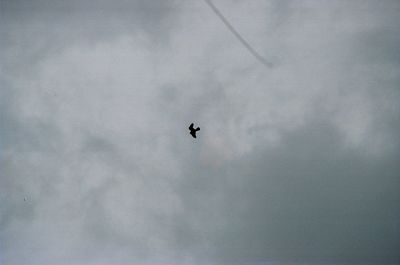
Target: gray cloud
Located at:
point(295, 164)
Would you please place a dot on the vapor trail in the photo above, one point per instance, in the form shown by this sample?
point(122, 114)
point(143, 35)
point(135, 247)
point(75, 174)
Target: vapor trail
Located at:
point(237, 35)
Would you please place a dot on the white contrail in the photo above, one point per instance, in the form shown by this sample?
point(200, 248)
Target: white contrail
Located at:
point(237, 35)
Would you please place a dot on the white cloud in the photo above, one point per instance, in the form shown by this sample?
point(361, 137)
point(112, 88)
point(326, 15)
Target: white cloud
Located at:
point(95, 132)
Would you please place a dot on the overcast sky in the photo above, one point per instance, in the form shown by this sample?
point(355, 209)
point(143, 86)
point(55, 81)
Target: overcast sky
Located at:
point(296, 163)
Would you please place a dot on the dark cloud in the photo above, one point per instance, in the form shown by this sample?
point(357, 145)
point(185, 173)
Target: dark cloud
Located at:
point(297, 164)
point(266, 215)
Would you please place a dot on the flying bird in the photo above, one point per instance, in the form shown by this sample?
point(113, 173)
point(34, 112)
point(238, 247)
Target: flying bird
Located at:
point(193, 130)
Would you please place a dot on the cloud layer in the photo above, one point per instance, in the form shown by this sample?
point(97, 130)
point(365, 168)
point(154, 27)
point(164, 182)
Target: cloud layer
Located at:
point(294, 164)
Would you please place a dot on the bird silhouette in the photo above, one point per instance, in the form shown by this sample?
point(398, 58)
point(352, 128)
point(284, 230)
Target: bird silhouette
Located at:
point(193, 130)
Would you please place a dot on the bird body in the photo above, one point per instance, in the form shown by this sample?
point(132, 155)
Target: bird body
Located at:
point(193, 130)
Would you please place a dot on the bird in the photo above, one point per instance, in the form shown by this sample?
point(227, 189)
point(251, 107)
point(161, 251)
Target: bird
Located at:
point(193, 130)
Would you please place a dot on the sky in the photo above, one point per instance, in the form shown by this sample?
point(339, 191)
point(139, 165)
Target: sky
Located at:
point(296, 162)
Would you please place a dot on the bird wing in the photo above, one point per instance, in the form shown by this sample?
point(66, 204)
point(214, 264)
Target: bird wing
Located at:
point(191, 127)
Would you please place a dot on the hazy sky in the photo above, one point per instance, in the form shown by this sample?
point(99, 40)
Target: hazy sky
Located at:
point(298, 163)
